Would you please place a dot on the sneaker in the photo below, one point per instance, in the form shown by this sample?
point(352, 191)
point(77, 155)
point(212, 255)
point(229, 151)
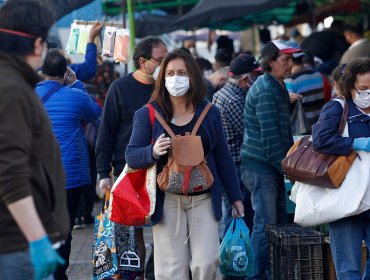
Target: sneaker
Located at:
point(78, 223)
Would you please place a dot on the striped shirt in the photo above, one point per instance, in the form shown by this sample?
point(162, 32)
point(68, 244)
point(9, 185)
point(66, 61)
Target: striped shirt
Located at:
point(310, 84)
point(267, 133)
point(230, 101)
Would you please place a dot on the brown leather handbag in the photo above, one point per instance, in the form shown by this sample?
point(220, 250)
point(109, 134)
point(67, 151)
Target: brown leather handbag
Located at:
point(304, 164)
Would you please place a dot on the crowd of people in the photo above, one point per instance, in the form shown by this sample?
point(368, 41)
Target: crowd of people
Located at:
point(60, 137)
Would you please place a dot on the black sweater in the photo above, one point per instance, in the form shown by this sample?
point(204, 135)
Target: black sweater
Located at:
point(125, 96)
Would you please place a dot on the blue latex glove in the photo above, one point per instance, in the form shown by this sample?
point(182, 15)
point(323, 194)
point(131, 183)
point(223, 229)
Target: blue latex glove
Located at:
point(362, 144)
point(44, 257)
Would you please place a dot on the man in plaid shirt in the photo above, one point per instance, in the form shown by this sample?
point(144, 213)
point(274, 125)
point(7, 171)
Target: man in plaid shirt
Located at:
point(230, 101)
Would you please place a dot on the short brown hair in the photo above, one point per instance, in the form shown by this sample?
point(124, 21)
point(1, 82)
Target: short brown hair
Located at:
point(356, 67)
point(196, 93)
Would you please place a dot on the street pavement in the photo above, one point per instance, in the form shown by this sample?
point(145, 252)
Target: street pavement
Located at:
point(80, 266)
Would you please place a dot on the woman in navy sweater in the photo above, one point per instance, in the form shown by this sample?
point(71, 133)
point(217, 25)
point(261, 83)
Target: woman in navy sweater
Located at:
point(347, 234)
point(186, 226)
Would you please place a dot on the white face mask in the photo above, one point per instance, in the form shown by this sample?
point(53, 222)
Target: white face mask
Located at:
point(177, 85)
point(156, 72)
point(362, 102)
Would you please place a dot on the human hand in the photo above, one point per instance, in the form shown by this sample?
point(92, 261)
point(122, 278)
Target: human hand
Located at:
point(362, 144)
point(95, 31)
point(105, 185)
point(237, 209)
point(294, 97)
point(41, 75)
point(70, 76)
point(161, 146)
point(44, 257)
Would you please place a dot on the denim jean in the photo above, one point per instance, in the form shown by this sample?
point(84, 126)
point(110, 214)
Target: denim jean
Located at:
point(268, 202)
point(346, 236)
point(17, 266)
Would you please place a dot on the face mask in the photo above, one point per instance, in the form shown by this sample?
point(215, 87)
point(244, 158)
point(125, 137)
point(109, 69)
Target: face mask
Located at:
point(156, 73)
point(177, 85)
point(362, 102)
point(207, 72)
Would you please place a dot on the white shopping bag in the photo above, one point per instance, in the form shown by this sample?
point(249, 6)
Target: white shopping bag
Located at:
point(316, 205)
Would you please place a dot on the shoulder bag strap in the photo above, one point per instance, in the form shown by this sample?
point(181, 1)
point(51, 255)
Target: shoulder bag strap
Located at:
point(151, 117)
point(344, 114)
point(164, 124)
point(201, 117)
point(50, 92)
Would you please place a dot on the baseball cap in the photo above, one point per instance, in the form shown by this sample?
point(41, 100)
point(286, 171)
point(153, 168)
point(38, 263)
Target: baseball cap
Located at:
point(280, 46)
point(242, 64)
point(295, 45)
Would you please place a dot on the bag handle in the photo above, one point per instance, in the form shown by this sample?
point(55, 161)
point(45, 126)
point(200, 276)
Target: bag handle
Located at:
point(106, 200)
point(343, 121)
point(201, 117)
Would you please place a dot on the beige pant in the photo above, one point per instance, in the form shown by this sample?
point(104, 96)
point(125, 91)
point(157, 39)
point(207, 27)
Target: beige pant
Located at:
point(186, 236)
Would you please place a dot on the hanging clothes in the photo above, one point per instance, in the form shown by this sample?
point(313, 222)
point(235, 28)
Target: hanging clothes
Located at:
point(121, 46)
point(73, 39)
point(108, 42)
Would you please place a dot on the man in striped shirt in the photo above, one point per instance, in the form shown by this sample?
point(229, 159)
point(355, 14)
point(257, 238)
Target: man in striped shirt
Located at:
point(305, 85)
point(267, 138)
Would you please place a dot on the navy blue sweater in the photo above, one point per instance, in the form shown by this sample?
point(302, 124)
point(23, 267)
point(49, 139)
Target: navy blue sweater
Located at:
point(220, 162)
point(325, 133)
point(125, 96)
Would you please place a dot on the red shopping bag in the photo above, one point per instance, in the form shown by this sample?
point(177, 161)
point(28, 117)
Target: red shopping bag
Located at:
point(133, 197)
point(133, 194)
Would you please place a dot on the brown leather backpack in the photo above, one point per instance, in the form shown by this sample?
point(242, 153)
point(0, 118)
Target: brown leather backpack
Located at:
point(186, 170)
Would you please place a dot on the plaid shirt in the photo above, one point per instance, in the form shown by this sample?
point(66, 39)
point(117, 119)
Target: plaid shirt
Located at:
point(230, 101)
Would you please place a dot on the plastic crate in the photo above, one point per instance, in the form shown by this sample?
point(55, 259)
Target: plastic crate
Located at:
point(295, 252)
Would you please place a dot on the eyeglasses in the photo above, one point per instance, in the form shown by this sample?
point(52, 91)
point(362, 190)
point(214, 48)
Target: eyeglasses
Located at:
point(159, 60)
point(363, 93)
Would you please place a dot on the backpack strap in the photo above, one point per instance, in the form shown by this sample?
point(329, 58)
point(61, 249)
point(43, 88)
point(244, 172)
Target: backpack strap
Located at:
point(164, 124)
point(200, 119)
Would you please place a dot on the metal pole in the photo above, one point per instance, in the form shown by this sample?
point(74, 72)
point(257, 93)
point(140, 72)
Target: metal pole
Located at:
point(124, 26)
point(131, 20)
point(124, 13)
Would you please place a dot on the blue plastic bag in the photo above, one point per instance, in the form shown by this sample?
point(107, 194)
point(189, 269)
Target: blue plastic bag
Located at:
point(236, 253)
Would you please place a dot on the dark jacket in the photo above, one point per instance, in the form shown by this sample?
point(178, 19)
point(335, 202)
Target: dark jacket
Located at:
point(220, 162)
point(325, 133)
point(30, 160)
